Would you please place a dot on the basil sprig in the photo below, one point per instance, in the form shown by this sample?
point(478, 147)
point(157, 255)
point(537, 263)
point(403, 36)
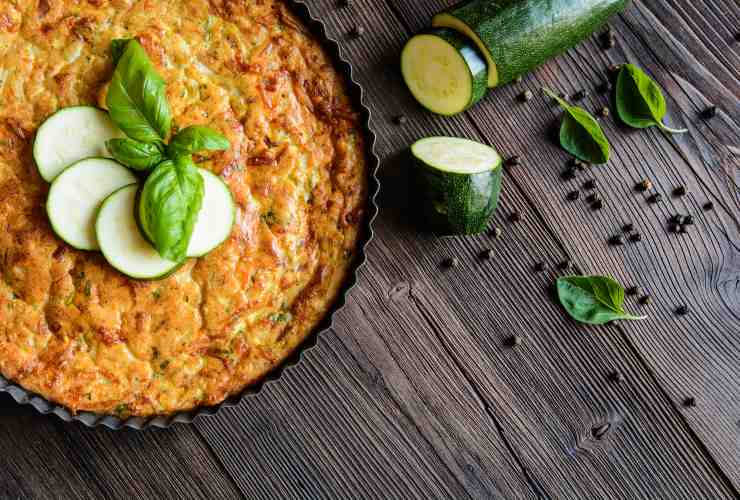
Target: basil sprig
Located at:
point(581, 134)
point(640, 101)
point(196, 139)
point(172, 195)
point(594, 300)
point(137, 99)
point(170, 201)
point(136, 155)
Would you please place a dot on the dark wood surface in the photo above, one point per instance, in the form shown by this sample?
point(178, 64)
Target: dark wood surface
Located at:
point(414, 394)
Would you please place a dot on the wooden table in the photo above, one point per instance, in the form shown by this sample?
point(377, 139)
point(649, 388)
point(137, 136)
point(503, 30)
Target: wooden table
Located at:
point(414, 393)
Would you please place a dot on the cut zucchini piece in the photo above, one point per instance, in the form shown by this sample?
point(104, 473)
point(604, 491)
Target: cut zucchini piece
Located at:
point(75, 197)
point(70, 135)
point(121, 242)
point(516, 36)
point(216, 218)
point(444, 71)
point(457, 183)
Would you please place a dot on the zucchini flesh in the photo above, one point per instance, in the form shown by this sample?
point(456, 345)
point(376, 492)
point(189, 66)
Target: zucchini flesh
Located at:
point(457, 184)
point(516, 36)
point(75, 197)
point(70, 135)
point(216, 218)
point(121, 242)
point(444, 71)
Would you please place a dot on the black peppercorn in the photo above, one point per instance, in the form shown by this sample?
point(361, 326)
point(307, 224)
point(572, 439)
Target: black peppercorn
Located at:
point(688, 220)
point(525, 96)
point(569, 174)
point(357, 31)
point(682, 310)
point(675, 228)
point(616, 240)
point(496, 232)
point(451, 262)
point(513, 341)
point(655, 198)
point(708, 206)
point(628, 228)
point(683, 229)
point(644, 185)
point(709, 113)
point(579, 95)
point(597, 205)
point(515, 216)
point(486, 255)
point(539, 267)
point(679, 191)
point(603, 87)
point(676, 219)
point(609, 42)
point(343, 3)
point(564, 265)
point(589, 184)
point(689, 402)
point(400, 120)
point(636, 238)
point(593, 198)
point(646, 300)
point(616, 377)
point(574, 195)
point(513, 161)
point(633, 290)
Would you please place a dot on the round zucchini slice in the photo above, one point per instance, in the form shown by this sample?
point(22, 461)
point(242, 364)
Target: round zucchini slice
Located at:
point(122, 243)
point(216, 218)
point(70, 135)
point(457, 184)
point(444, 71)
point(75, 197)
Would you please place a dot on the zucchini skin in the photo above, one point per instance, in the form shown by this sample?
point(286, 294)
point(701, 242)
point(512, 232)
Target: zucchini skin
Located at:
point(454, 204)
point(522, 34)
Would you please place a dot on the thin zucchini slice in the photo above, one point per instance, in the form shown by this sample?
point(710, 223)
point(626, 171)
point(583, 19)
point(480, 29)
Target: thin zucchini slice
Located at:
point(444, 71)
point(216, 218)
point(457, 183)
point(516, 36)
point(70, 135)
point(75, 197)
point(121, 242)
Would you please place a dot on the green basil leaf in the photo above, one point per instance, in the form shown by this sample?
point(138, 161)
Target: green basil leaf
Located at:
point(594, 300)
point(581, 134)
point(170, 201)
point(137, 100)
point(117, 48)
point(196, 139)
point(134, 154)
point(640, 101)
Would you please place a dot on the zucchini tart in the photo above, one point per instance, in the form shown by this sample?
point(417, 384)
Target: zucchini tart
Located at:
point(82, 334)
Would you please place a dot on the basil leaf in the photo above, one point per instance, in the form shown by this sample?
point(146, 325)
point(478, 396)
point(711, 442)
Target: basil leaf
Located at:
point(169, 202)
point(640, 101)
point(134, 154)
point(117, 48)
point(196, 139)
point(137, 101)
point(581, 134)
point(594, 300)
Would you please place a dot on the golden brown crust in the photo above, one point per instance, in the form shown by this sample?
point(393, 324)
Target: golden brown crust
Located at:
point(83, 335)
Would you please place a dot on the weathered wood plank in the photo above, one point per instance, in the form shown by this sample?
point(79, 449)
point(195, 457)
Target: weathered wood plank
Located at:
point(40, 457)
point(427, 353)
point(692, 356)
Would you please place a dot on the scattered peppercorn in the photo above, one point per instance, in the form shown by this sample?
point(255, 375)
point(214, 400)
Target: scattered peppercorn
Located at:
point(597, 205)
point(655, 198)
point(633, 290)
point(709, 113)
point(400, 120)
point(628, 228)
point(683, 229)
point(451, 262)
point(579, 95)
point(644, 185)
point(486, 254)
point(708, 206)
point(682, 310)
point(646, 300)
point(636, 238)
point(688, 220)
point(496, 233)
point(513, 161)
point(593, 198)
point(675, 228)
point(603, 87)
point(616, 377)
point(539, 267)
point(676, 219)
point(357, 31)
point(565, 265)
point(679, 191)
point(616, 240)
point(689, 402)
point(525, 96)
point(515, 216)
point(343, 3)
point(569, 174)
point(604, 112)
point(513, 341)
point(589, 184)
point(574, 195)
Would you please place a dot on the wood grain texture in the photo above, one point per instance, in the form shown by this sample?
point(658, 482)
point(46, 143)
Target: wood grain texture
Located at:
point(41, 458)
point(696, 355)
point(423, 337)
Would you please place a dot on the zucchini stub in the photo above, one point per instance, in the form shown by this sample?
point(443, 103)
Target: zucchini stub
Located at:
point(516, 36)
point(457, 184)
point(444, 71)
